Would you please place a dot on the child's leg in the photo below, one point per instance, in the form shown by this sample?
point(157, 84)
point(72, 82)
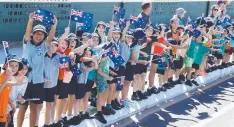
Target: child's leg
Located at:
point(86, 100)
point(160, 80)
point(48, 112)
point(53, 109)
point(111, 95)
point(20, 116)
point(70, 105)
point(153, 70)
point(33, 114)
point(125, 89)
point(60, 108)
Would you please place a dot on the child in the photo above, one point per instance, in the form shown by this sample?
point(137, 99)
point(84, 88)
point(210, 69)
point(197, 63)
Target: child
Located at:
point(102, 87)
point(180, 12)
point(12, 66)
point(36, 48)
point(146, 8)
point(51, 71)
point(85, 67)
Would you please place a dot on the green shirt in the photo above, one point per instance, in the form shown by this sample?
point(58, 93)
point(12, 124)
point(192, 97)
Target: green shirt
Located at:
point(222, 47)
point(104, 65)
point(192, 50)
point(202, 51)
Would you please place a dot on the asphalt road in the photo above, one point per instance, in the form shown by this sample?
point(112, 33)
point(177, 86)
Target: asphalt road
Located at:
point(214, 107)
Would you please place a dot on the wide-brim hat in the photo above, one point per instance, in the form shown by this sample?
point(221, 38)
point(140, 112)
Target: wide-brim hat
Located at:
point(40, 28)
point(13, 58)
point(26, 63)
point(139, 33)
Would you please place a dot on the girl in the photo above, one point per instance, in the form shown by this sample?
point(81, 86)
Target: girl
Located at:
point(17, 93)
point(12, 66)
point(100, 29)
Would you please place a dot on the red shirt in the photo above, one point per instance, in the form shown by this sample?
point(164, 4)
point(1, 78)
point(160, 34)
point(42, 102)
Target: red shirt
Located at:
point(157, 50)
point(61, 71)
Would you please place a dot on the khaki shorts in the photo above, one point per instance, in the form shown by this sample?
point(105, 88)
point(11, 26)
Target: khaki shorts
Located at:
point(188, 62)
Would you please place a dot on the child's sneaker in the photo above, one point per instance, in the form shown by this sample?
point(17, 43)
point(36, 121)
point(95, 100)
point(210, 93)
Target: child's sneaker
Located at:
point(99, 116)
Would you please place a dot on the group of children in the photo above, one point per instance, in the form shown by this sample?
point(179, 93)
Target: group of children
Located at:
point(173, 52)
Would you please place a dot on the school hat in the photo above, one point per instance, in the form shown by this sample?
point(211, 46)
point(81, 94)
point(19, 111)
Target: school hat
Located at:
point(130, 34)
point(101, 23)
point(116, 30)
point(72, 36)
point(26, 63)
point(40, 28)
point(85, 34)
point(139, 33)
point(95, 35)
point(13, 58)
point(180, 11)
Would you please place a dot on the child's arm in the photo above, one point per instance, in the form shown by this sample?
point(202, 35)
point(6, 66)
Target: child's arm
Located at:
point(125, 30)
point(144, 54)
point(65, 34)
point(109, 37)
point(215, 50)
point(3, 84)
point(100, 72)
point(29, 28)
point(10, 102)
point(136, 60)
point(52, 33)
point(80, 50)
point(162, 33)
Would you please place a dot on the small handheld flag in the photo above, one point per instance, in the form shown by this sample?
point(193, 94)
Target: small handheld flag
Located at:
point(76, 71)
point(85, 22)
point(64, 62)
point(118, 13)
point(44, 16)
point(6, 47)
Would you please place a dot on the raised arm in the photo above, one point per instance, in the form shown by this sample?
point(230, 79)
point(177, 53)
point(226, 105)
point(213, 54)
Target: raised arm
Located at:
point(29, 28)
point(52, 33)
point(109, 37)
point(65, 34)
point(125, 30)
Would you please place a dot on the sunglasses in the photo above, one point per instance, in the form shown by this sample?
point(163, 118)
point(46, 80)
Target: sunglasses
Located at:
point(215, 9)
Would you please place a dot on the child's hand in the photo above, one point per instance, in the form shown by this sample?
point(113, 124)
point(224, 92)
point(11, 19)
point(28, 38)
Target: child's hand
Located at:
point(128, 23)
point(31, 15)
point(145, 62)
point(9, 73)
point(20, 81)
point(143, 45)
point(21, 100)
point(113, 73)
point(94, 58)
point(55, 20)
point(112, 24)
point(67, 30)
point(48, 82)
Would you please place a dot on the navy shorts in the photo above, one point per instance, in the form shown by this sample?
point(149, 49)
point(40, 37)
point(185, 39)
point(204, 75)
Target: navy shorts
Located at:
point(129, 72)
point(160, 71)
point(196, 66)
point(35, 91)
point(114, 80)
point(89, 85)
point(72, 86)
point(50, 93)
point(62, 89)
point(80, 91)
point(156, 59)
point(178, 64)
point(140, 69)
point(219, 56)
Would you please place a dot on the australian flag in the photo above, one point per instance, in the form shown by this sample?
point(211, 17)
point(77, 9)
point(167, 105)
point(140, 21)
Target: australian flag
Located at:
point(162, 62)
point(119, 85)
point(44, 16)
point(137, 22)
point(107, 49)
point(85, 23)
point(122, 22)
point(76, 15)
point(118, 13)
point(196, 33)
point(64, 62)
point(6, 47)
point(75, 70)
point(116, 58)
point(191, 25)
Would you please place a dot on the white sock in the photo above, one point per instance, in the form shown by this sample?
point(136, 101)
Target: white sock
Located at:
point(69, 117)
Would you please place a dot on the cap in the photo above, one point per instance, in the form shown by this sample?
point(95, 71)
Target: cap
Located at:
point(26, 63)
point(180, 11)
point(13, 58)
point(40, 28)
point(117, 30)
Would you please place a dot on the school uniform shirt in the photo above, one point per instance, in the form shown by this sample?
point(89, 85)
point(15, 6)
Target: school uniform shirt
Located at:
point(192, 50)
point(82, 78)
point(124, 51)
point(136, 48)
point(104, 65)
point(35, 56)
point(51, 70)
point(202, 51)
point(61, 70)
point(17, 92)
point(4, 99)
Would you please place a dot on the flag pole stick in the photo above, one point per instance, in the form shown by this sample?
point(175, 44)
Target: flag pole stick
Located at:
point(69, 22)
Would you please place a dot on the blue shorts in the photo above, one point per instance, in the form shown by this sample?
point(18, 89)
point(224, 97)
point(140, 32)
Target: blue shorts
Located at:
point(101, 86)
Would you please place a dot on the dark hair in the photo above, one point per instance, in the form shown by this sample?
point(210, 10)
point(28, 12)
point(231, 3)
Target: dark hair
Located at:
point(87, 64)
point(145, 6)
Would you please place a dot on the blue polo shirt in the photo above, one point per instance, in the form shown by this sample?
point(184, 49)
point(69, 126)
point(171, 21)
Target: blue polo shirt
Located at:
point(35, 55)
point(51, 70)
point(124, 52)
point(83, 77)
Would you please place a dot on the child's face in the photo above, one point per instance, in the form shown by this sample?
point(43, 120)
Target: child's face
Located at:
point(88, 54)
point(181, 15)
point(38, 37)
point(54, 48)
point(72, 44)
point(63, 45)
point(175, 24)
point(84, 40)
point(14, 66)
point(24, 71)
point(101, 29)
point(149, 32)
point(148, 10)
point(128, 39)
point(199, 39)
point(116, 35)
point(95, 41)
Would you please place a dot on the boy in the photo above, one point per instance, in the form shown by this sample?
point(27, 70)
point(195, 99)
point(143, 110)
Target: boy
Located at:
point(36, 48)
point(146, 10)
